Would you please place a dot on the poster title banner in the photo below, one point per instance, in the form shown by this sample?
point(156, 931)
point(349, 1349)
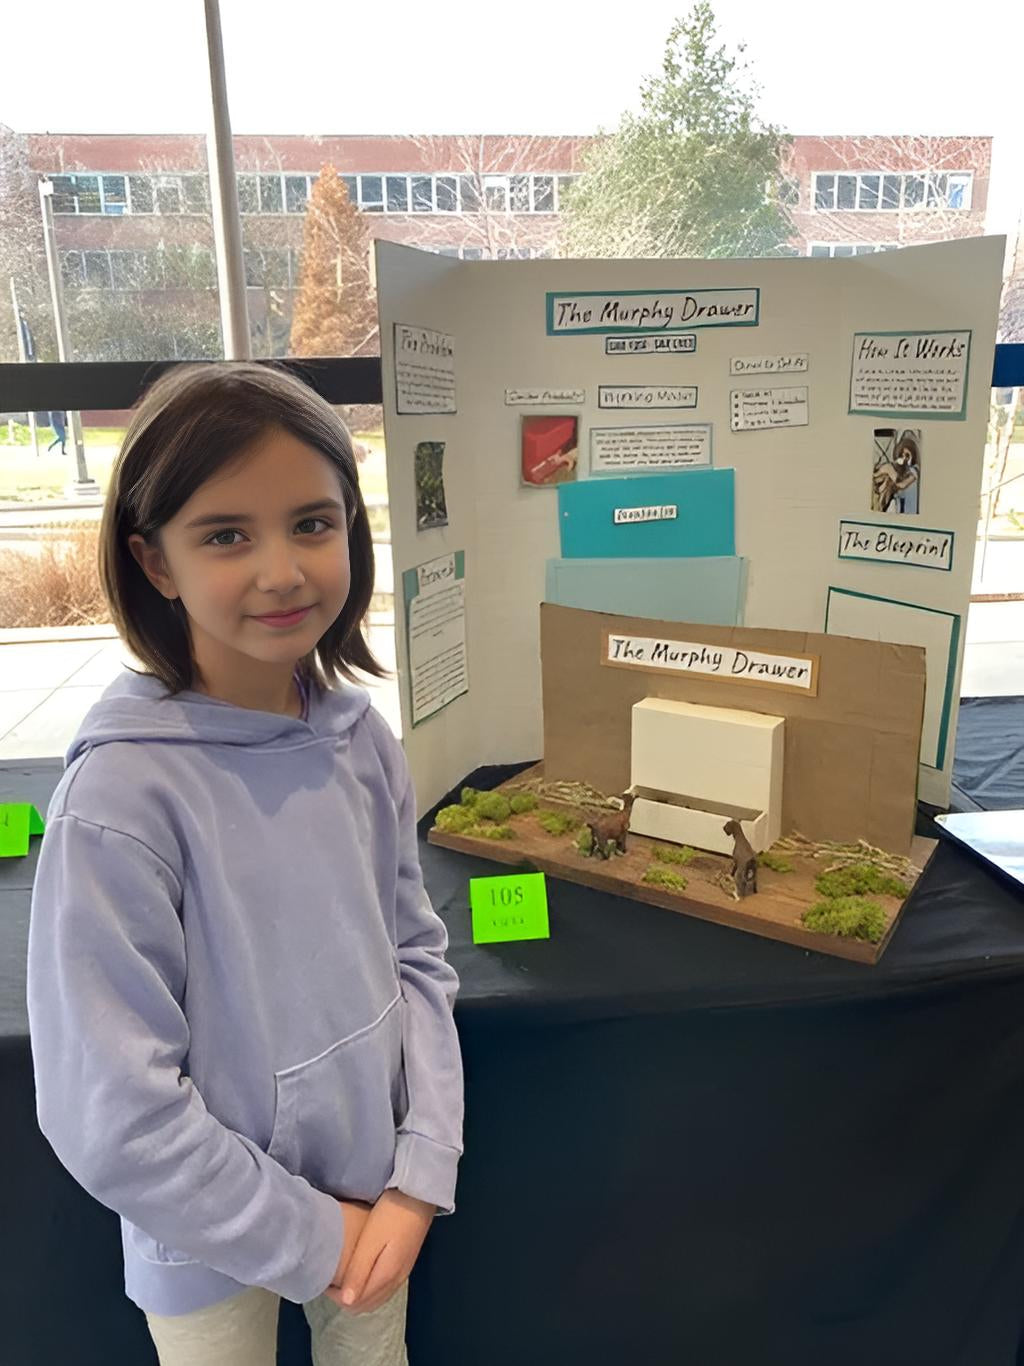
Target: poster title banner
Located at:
point(670, 310)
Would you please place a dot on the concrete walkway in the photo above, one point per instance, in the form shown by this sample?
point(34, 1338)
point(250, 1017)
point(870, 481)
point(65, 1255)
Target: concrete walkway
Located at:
point(46, 687)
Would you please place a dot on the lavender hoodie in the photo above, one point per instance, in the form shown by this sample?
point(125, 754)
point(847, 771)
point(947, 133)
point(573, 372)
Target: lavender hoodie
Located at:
point(239, 1005)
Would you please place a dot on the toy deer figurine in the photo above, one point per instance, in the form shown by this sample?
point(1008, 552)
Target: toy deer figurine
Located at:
point(608, 829)
point(744, 860)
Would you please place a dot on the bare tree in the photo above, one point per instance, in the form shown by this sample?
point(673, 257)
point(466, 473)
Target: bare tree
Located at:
point(22, 253)
point(909, 184)
point(507, 188)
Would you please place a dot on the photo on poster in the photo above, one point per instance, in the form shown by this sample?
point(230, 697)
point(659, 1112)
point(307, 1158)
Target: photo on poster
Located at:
point(549, 453)
point(428, 466)
point(896, 475)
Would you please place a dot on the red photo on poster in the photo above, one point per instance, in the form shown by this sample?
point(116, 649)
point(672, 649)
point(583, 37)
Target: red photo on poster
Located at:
point(550, 449)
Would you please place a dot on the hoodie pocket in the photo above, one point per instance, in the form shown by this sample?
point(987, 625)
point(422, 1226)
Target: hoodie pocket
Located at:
point(336, 1114)
point(152, 1251)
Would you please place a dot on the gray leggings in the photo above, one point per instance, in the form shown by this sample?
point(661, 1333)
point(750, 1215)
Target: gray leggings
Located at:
point(242, 1331)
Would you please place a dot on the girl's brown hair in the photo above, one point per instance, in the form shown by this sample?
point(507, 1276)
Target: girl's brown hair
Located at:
point(192, 422)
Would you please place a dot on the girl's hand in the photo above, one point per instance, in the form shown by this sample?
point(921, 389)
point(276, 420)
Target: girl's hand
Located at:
point(355, 1216)
point(385, 1253)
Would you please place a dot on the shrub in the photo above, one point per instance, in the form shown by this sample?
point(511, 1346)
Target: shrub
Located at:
point(58, 587)
point(492, 832)
point(585, 841)
point(470, 796)
point(664, 877)
point(454, 820)
point(860, 879)
point(492, 806)
point(557, 822)
point(850, 917)
point(775, 862)
point(674, 853)
point(523, 802)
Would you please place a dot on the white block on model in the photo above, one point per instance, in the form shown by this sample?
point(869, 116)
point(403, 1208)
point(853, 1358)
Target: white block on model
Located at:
point(693, 768)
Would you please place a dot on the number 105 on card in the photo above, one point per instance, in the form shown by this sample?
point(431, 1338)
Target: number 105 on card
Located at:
point(509, 908)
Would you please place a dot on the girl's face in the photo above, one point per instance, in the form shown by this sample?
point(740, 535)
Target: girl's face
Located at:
point(258, 556)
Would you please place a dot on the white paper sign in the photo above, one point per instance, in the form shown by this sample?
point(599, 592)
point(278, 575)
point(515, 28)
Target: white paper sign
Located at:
point(768, 365)
point(666, 512)
point(424, 370)
point(680, 446)
point(646, 396)
point(754, 410)
point(910, 373)
point(797, 672)
point(436, 622)
point(671, 310)
point(643, 344)
point(530, 398)
point(888, 545)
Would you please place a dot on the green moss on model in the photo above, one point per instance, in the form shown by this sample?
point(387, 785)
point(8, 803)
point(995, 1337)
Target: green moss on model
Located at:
point(775, 862)
point(470, 795)
point(557, 822)
point(860, 879)
point(850, 917)
point(585, 841)
point(493, 832)
point(454, 820)
point(492, 806)
point(664, 877)
point(523, 802)
point(674, 853)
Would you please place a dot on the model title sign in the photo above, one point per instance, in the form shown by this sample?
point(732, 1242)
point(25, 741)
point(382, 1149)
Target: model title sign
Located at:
point(795, 673)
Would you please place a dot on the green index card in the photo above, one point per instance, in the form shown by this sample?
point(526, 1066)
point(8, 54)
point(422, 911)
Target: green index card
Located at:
point(18, 820)
point(510, 907)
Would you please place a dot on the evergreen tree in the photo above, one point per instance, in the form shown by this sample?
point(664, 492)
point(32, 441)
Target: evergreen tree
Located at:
point(694, 173)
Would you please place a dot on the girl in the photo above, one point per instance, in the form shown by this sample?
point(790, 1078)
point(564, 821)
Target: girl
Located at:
point(240, 1009)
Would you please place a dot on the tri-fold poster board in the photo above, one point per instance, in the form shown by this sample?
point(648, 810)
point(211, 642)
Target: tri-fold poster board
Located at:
point(790, 445)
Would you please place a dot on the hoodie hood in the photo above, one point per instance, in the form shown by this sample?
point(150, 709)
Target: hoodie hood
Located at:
point(138, 707)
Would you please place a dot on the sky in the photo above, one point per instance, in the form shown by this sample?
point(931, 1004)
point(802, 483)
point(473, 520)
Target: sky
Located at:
point(327, 66)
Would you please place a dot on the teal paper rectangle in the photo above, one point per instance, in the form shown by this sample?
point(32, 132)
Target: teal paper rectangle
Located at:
point(703, 525)
point(708, 590)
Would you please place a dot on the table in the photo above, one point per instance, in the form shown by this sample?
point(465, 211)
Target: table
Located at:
point(685, 1146)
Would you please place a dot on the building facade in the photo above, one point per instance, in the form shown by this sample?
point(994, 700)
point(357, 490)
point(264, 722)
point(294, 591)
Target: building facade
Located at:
point(135, 238)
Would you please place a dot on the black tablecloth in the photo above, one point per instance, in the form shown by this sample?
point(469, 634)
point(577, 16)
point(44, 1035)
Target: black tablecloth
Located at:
point(684, 1145)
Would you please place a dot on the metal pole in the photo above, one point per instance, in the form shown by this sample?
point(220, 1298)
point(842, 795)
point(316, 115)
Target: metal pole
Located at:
point(23, 357)
point(227, 225)
point(83, 487)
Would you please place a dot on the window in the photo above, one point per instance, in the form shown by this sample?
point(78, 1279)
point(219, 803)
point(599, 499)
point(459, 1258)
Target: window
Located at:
point(398, 194)
point(958, 190)
point(76, 194)
point(469, 194)
point(519, 193)
point(565, 182)
point(72, 271)
point(422, 194)
point(296, 193)
point(875, 191)
point(472, 253)
point(195, 190)
point(168, 194)
point(824, 191)
point(891, 185)
point(351, 184)
point(543, 194)
point(248, 196)
point(271, 199)
point(868, 195)
point(115, 194)
point(97, 269)
point(140, 190)
point(446, 194)
point(849, 248)
point(371, 193)
point(846, 192)
point(496, 192)
point(789, 192)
